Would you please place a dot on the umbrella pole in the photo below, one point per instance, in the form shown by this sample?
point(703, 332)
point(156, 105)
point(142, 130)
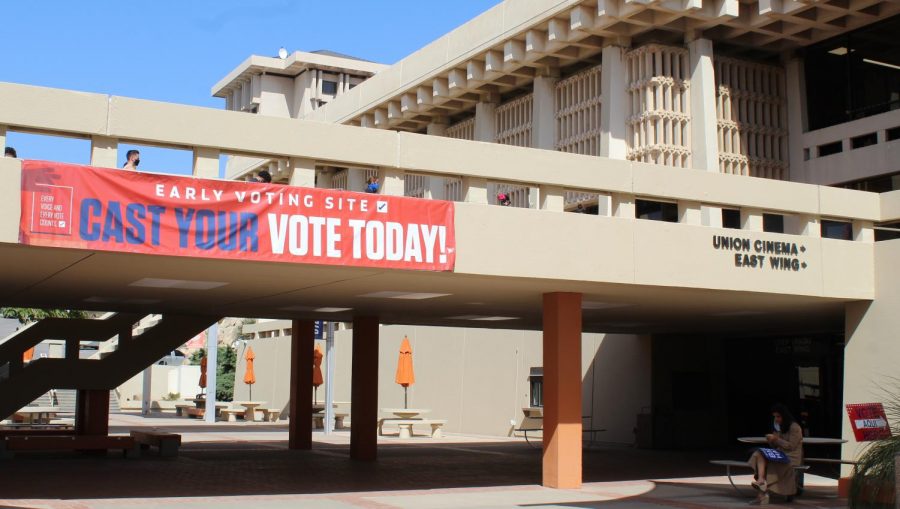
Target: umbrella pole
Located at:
point(405, 403)
point(315, 397)
point(250, 388)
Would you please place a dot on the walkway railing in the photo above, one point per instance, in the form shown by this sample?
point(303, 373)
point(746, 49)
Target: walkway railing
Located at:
point(700, 196)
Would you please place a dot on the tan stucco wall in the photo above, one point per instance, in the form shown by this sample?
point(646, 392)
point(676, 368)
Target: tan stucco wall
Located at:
point(476, 379)
point(872, 353)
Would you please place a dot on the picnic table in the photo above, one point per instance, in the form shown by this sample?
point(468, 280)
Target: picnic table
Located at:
point(405, 413)
point(806, 440)
point(250, 409)
point(37, 414)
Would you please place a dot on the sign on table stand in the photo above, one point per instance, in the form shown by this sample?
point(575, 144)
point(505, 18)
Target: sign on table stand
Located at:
point(868, 421)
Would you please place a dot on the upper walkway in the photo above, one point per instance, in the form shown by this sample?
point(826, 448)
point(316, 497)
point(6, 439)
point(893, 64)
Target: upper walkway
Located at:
point(635, 274)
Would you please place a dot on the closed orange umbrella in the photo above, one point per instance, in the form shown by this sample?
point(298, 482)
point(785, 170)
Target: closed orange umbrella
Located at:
point(28, 355)
point(203, 372)
point(249, 376)
point(317, 370)
point(405, 375)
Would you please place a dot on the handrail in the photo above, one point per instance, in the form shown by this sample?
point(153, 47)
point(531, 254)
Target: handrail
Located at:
point(166, 124)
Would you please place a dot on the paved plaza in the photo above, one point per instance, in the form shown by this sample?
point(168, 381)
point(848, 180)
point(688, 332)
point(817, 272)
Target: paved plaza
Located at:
point(231, 465)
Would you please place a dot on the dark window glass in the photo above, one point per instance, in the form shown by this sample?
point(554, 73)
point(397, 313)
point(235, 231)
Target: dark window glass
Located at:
point(731, 218)
point(887, 232)
point(773, 223)
point(830, 148)
point(537, 391)
point(329, 87)
point(863, 141)
point(837, 230)
point(893, 134)
point(656, 211)
point(880, 184)
point(854, 75)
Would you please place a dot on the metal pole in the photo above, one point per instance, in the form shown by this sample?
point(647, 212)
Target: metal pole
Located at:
point(212, 361)
point(329, 379)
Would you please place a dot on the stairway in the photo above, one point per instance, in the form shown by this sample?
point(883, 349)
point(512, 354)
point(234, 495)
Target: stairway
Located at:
point(21, 384)
point(65, 400)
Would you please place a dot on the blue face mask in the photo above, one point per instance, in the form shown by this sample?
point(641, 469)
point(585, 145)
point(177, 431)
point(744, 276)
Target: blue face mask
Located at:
point(776, 426)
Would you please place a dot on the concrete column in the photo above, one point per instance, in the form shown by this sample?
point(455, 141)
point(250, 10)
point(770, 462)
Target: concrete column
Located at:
point(436, 188)
point(356, 179)
point(863, 231)
point(324, 178)
point(690, 212)
point(364, 389)
point(711, 215)
point(206, 162)
point(437, 127)
point(622, 205)
point(392, 181)
point(92, 412)
point(474, 190)
point(802, 225)
point(303, 341)
point(104, 152)
point(752, 220)
point(704, 135)
point(303, 172)
point(614, 104)
point(543, 112)
point(562, 390)
point(553, 198)
point(795, 90)
point(485, 118)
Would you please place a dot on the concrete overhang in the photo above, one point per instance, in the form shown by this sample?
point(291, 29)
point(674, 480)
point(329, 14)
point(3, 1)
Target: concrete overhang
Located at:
point(295, 64)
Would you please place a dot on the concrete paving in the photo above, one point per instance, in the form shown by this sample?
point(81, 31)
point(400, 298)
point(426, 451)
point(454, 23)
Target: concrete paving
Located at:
point(231, 465)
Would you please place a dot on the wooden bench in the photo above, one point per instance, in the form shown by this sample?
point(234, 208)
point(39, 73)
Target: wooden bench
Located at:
point(729, 464)
point(406, 426)
point(10, 444)
point(167, 443)
point(181, 407)
point(231, 414)
point(270, 414)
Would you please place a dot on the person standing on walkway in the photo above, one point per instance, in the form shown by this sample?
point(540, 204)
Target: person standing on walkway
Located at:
point(132, 160)
point(9, 152)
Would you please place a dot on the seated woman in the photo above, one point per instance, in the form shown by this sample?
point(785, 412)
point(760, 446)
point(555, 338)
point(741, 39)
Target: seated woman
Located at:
point(779, 478)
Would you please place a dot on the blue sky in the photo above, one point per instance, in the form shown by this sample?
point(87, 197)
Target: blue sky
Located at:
point(175, 51)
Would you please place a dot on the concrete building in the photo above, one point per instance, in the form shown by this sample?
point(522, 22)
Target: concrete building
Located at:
point(734, 253)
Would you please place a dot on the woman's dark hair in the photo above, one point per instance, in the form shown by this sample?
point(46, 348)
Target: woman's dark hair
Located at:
point(787, 418)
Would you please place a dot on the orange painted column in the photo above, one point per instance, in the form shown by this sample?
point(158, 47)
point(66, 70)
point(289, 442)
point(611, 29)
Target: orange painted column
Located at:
point(92, 412)
point(364, 389)
point(562, 390)
point(303, 334)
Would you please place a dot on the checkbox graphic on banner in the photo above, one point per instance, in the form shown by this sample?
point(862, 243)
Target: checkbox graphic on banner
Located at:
point(381, 206)
point(51, 210)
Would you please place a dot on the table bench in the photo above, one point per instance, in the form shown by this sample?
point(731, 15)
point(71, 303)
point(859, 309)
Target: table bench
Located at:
point(181, 407)
point(10, 444)
point(406, 426)
point(729, 464)
point(196, 413)
point(231, 414)
point(319, 420)
point(167, 443)
point(270, 414)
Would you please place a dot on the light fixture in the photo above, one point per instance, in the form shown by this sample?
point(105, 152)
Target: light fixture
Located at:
point(404, 295)
point(602, 305)
point(883, 64)
point(331, 310)
point(179, 284)
point(482, 318)
point(840, 51)
point(282, 53)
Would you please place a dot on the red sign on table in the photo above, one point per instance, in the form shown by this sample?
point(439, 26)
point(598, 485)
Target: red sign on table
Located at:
point(65, 205)
point(868, 421)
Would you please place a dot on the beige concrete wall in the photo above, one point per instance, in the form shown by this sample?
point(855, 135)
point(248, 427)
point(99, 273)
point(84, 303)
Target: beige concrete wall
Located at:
point(276, 96)
point(163, 380)
point(11, 204)
point(476, 379)
point(872, 353)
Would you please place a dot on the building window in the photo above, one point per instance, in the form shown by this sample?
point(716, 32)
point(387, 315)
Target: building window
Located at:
point(537, 387)
point(731, 218)
point(887, 231)
point(656, 211)
point(329, 87)
point(773, 223)
point(840, 230)
point(880, 184)
point(853, 76)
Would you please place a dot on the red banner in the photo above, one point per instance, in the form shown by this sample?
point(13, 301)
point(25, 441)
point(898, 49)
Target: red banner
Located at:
point(868, 421)
point(65, 205)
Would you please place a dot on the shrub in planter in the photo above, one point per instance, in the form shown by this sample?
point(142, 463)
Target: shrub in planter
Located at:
point(874, 484)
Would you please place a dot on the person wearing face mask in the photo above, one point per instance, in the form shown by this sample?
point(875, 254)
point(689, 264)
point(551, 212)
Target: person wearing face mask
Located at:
point(133, 159)
point(771, 476)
